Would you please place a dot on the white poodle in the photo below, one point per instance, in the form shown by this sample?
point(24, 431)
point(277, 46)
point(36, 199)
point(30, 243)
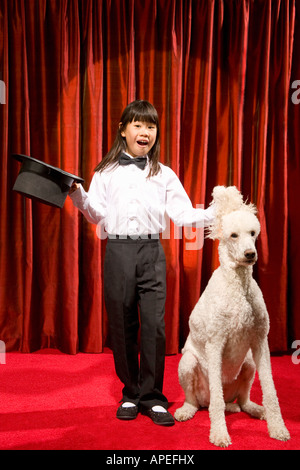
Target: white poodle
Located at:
point(228, 329)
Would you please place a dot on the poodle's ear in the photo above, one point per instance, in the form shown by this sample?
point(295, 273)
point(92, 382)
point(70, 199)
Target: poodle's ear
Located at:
point(214, 231)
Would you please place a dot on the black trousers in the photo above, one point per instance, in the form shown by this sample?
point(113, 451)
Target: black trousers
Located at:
point(135, 293)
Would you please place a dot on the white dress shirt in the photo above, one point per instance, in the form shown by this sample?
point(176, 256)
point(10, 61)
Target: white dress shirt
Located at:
point(123, 200)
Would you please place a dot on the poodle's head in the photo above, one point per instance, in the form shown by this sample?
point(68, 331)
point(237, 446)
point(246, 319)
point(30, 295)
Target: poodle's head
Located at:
point(235, 225)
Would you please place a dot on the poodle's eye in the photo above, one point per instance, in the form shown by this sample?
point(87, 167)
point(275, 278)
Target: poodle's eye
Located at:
point(234, 235)
point(252, 233)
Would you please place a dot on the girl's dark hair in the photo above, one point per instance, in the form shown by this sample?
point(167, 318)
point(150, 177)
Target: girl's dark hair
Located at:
point(139, 110)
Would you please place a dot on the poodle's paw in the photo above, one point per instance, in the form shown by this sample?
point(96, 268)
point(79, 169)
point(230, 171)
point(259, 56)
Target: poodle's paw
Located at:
point(187, 411)
point(280, 432)
point(257, 411)
point(220, 437)
point(233, 407)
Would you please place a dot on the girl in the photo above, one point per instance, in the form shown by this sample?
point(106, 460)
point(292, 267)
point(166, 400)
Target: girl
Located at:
point(129, 194)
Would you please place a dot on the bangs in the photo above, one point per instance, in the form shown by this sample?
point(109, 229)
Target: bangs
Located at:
point(145, 117)
point(142, 111)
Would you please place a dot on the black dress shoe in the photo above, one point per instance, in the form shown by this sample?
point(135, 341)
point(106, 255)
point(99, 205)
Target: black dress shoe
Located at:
point(159, 417)
point(127, 413)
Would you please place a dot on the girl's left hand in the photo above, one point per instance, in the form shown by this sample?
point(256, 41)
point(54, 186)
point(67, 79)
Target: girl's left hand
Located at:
point(74, 187)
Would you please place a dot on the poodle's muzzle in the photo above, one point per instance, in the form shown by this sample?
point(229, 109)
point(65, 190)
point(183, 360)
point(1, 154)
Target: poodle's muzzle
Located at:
point(250, 258)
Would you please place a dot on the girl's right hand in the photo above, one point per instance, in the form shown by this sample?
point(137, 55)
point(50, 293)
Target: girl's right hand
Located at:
point(74, 187)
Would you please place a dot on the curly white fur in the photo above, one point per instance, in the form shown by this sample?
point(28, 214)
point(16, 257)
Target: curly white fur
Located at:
point(228, 329)
point(226, 200)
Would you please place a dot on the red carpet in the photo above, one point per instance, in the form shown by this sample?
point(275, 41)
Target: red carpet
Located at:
point(50, 400)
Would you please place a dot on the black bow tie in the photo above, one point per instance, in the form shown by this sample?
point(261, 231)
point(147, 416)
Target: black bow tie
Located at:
point(138, 161)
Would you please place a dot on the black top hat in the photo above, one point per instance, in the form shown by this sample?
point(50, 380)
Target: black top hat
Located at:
point(42, 182)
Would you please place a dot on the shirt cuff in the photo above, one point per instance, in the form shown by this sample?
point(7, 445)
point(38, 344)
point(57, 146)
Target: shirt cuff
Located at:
point(209, 215)
point(78, 197)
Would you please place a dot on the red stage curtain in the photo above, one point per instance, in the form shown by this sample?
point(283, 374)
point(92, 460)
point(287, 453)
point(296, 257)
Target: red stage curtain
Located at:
point(220, 74)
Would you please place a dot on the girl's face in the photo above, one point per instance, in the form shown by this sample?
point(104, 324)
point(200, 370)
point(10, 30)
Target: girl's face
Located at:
point(140, 137)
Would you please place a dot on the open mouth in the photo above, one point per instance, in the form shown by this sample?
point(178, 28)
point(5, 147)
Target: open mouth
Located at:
point(142, 143)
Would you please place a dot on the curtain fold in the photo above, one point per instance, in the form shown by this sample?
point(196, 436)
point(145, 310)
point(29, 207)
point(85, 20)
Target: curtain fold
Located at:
point(220, 74)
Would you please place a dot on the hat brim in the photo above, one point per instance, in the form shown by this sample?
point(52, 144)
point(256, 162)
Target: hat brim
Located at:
point(43, 182)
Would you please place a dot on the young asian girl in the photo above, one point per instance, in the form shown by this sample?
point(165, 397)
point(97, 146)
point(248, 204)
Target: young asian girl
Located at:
point(130, 193)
